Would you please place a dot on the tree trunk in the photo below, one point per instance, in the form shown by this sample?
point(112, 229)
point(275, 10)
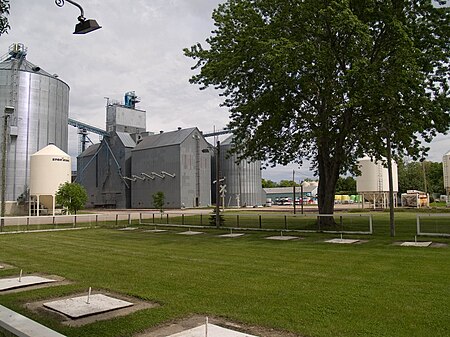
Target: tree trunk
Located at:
point(328, 175)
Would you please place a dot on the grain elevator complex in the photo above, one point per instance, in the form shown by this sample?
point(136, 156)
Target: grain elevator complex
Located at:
point(124, 170)
point(130, 164)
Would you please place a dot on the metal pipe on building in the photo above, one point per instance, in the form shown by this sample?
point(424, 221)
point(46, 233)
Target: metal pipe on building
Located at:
point(7, 113)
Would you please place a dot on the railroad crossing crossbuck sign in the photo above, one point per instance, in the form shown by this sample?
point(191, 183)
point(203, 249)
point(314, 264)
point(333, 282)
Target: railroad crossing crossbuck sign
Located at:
point(223, 190)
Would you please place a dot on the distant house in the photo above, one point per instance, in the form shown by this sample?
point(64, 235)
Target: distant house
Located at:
point(176, 163)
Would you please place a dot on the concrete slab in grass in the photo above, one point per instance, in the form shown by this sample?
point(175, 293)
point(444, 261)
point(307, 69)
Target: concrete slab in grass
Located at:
point(24, 281)
point(77, 307)
point(416, 244)
point(282, 237)
point(190, 233)
point(231, 235)
point(128, 229)
point(343, 241)
point(212, 330)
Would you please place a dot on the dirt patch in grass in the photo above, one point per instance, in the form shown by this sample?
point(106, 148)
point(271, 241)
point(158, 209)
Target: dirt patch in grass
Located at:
point(137, 305)
point(191, 322)
point(4, 266)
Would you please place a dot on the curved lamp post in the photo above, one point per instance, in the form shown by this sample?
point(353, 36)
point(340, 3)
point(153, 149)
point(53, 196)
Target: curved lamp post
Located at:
point(84, 25)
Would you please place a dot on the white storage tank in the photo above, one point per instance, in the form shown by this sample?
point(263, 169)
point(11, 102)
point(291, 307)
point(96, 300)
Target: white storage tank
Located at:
point(375, 177)
point(49, 168)
point(446, 169)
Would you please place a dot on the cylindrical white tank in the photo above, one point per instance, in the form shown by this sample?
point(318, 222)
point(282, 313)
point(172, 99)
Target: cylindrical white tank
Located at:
point(49, 168)
point(446, 169)
point(375, 177)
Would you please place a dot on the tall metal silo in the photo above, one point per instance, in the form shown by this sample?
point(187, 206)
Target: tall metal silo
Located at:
point(41, 108)
point(446, 172)
point(242, 178)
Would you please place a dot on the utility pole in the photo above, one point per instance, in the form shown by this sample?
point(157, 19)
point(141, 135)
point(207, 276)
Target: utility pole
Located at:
point(391, 185)
point(301, 193)
point(218, 184)
point(293, 189)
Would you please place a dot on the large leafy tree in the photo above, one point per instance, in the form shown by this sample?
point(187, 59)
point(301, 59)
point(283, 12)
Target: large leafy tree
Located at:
point(346, 185)
point(329, 81)
point(4, 11)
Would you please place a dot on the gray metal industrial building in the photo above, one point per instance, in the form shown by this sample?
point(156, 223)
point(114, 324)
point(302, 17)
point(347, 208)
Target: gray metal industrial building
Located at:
point(117, 173)
point(174, 163)
point(102, 169)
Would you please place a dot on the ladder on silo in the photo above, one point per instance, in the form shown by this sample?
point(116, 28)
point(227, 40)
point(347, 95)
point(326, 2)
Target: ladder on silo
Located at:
point(380, 183)
point(17, 53)
point(446, 181)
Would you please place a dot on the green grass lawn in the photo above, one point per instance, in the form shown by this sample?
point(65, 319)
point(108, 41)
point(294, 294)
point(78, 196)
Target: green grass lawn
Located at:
point(307, 286)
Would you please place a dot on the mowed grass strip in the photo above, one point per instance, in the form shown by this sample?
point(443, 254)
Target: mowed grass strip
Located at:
point(305, 286)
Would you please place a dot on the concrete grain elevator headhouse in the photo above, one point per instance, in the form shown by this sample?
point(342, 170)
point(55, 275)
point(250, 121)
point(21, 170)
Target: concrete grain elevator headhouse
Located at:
point(41, 107)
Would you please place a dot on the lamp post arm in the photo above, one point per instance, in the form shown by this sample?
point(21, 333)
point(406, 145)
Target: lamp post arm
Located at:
point(60, 3)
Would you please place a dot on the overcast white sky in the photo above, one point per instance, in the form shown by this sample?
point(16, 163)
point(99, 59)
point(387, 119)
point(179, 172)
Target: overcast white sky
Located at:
point(139, 48)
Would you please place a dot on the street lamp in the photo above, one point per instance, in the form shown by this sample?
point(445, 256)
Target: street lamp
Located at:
point(9, 110)
point(84, 25)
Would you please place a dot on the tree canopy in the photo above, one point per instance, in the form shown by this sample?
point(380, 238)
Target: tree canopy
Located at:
point(4, 12)
point(329, 81)
point(424, 176)
point(73, 196)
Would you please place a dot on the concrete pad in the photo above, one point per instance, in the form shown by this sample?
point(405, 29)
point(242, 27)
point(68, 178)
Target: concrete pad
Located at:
point(231, 235)
point(416, 244)
point(2, 267)
point(128, 229)
point(342, 241)
point(282, 237)
point(25, 281)
point(155, 231)
point(77, 307)
point(213, 330)
point(190, 233)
